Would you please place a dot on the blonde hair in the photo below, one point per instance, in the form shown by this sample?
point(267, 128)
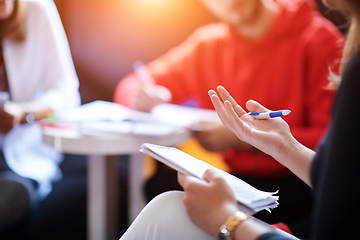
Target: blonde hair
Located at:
point(14, 27)
point(350, 8)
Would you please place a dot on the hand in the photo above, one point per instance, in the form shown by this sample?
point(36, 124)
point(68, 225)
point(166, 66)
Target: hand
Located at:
point(208, 203)
point(10, 116)
point(149, 96)
point(214, 136)
point(269, 135)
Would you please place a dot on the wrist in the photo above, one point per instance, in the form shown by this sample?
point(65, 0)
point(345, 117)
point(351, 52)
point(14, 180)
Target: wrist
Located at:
point(27, 116)
point(227, 229)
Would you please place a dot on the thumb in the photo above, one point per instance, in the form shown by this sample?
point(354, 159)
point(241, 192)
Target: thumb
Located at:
point(211, 175)
point(254, 106)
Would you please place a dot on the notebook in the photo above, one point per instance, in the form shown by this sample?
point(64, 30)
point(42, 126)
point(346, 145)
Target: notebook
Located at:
point(250, 199)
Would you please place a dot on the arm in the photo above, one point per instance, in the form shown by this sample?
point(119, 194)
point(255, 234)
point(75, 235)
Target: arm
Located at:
point(15, 113)
point(272, 136)
point(59, 84)
point(41, 72)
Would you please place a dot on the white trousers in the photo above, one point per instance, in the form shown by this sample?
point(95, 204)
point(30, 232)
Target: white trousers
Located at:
point(165, 218)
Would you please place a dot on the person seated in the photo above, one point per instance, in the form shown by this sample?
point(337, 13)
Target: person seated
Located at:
point(37, 78)
point(205, 208)
point(275, 51)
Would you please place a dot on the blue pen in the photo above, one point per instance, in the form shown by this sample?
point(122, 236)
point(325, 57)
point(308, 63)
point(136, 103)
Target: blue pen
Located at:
point(272, 114)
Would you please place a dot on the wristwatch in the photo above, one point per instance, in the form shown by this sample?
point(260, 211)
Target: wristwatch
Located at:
point(231, 223)
point(29, 117)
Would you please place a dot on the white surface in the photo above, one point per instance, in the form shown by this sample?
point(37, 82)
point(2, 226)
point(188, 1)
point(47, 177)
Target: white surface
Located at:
point(71, 139)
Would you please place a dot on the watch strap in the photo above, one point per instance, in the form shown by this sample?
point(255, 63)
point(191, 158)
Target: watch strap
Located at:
point(231, 223)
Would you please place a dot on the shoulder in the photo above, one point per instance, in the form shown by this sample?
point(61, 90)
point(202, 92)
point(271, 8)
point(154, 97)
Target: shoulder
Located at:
point(38, 3)
point(302, 17)
point(39, 6)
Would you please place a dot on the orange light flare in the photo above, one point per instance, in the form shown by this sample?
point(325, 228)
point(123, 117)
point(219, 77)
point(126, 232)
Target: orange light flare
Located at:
point(154, 8)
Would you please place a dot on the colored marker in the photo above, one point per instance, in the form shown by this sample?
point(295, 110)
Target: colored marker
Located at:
point(272, 114)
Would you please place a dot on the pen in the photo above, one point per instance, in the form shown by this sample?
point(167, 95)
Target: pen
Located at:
point(143, 74)
point(272, 114)
point(149, 83)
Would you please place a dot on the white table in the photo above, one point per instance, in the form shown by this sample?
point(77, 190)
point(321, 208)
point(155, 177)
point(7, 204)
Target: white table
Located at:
point(102, 182)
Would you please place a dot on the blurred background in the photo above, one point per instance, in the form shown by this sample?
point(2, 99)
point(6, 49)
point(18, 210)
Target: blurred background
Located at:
point(107, 36)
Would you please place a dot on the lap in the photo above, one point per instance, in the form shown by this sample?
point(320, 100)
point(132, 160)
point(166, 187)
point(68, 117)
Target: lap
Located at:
point(165, 218)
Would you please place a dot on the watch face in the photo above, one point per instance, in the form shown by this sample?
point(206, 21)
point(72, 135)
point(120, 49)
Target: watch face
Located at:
point(30, 118)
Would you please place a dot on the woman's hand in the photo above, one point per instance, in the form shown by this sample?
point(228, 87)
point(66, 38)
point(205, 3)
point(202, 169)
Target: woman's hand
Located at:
point(208, 203)
point(269, 135)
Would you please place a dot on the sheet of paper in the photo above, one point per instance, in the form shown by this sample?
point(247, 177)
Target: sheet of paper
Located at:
point(187, 164)
point(183, 116)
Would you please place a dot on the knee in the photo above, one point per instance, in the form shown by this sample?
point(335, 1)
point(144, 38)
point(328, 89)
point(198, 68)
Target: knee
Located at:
point(164, 202)
point(14, 203)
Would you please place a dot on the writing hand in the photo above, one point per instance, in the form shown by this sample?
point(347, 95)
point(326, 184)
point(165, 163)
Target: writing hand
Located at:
point(149, 97)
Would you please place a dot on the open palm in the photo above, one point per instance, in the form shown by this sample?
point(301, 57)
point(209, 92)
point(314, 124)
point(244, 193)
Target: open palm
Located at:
point(269, 135)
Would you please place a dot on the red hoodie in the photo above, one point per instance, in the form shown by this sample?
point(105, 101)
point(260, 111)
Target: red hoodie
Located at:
point(287, 68)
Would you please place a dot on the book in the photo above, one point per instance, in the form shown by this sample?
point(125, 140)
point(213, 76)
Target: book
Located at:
point(250, 199)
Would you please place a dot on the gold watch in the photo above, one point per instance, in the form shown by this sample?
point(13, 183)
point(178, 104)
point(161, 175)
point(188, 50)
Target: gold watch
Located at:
point(231, 223)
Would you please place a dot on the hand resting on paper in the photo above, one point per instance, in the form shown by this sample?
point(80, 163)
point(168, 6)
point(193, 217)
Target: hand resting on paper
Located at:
point(200, 196)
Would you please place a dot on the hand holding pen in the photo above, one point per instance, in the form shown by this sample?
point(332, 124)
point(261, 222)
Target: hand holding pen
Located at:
point(270, 114)
point(267, 136)
point(150, 94)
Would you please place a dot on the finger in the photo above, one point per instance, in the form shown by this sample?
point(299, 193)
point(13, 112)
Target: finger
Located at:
point(211, 92)
point(221, 111)
point(254, 106)
point(218, 105)
point(210, 175)
point(234, 119)
point(225, 95)
point(184, 180)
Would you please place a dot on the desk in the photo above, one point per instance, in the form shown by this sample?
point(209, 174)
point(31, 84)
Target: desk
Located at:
point(102, 203)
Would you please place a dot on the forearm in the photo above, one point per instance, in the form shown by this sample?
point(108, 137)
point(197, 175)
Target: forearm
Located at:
point(254, 229)
point(297, 158)
point(34, 110)
point(250, 229)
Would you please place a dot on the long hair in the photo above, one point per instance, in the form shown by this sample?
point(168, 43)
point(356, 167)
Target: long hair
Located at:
point(352, 45)
point(351, 9)
point(14, 27)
